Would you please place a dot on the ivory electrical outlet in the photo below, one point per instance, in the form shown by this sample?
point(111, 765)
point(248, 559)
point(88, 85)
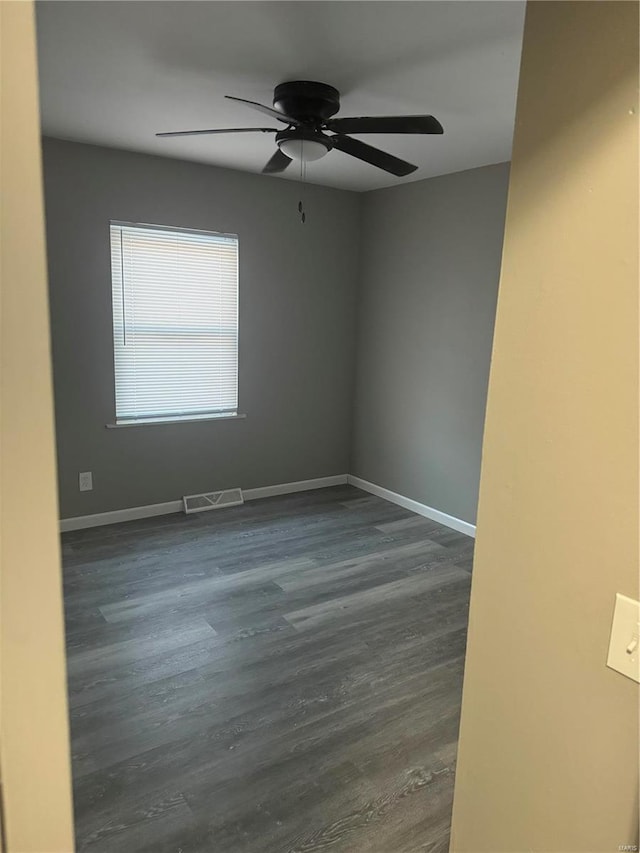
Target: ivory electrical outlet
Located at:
point(85, 481)
point(624, 646)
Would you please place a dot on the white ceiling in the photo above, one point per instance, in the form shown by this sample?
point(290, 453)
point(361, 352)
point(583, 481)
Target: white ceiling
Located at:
point(114, 73)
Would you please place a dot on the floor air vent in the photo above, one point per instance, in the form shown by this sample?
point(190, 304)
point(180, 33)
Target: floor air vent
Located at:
point(212, 500)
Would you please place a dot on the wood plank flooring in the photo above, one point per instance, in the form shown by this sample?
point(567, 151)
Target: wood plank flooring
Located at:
point(282, 676)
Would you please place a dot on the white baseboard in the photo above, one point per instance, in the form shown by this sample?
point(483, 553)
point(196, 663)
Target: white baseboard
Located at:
point(299, 486)
point(99, 519)
point(132, 513)
point(414, 506)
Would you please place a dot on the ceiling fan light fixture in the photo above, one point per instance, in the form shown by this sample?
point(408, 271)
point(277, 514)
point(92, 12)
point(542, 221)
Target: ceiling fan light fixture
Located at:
point(305, 150)
point(307, 108)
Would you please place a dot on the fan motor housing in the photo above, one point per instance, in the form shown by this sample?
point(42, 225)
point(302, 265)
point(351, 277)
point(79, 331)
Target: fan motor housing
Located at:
point(306, 100)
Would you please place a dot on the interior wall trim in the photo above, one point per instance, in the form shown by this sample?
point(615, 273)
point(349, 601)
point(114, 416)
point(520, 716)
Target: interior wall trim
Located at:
point(414, 506)
point(132, 513)
point(299, 486)
point(135, 512)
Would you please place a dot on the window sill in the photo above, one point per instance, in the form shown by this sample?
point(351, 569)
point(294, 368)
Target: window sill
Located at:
point(158, 422)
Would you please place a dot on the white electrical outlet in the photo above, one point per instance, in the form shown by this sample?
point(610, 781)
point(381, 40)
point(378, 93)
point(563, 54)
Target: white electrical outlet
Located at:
point(624, 646)
point(85, 481)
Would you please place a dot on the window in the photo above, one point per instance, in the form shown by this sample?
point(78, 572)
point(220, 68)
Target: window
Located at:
point(175, 323)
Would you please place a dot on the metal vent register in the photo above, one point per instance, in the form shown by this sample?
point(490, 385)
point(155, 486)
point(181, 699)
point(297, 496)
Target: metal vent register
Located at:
point(212, 500)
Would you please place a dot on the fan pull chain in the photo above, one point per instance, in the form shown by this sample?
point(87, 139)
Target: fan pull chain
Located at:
point(303, 177)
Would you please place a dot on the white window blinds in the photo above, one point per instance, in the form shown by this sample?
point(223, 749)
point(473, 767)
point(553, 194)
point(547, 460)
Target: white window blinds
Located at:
point(175, 323)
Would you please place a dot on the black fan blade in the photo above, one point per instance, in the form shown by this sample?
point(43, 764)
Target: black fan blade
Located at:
point(278, 163)
point(385, 124)
point(372, 155)
point(266, 110)
point(220, 130)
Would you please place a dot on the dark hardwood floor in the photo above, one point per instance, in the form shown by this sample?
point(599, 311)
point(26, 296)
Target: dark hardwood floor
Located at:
point(277, 677)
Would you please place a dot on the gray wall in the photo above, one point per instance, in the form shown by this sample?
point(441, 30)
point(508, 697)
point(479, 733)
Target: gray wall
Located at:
point(428, 286)
point(297, 316)
point(414, 268)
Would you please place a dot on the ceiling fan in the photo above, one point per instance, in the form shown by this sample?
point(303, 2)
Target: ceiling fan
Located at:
point(307, 109)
